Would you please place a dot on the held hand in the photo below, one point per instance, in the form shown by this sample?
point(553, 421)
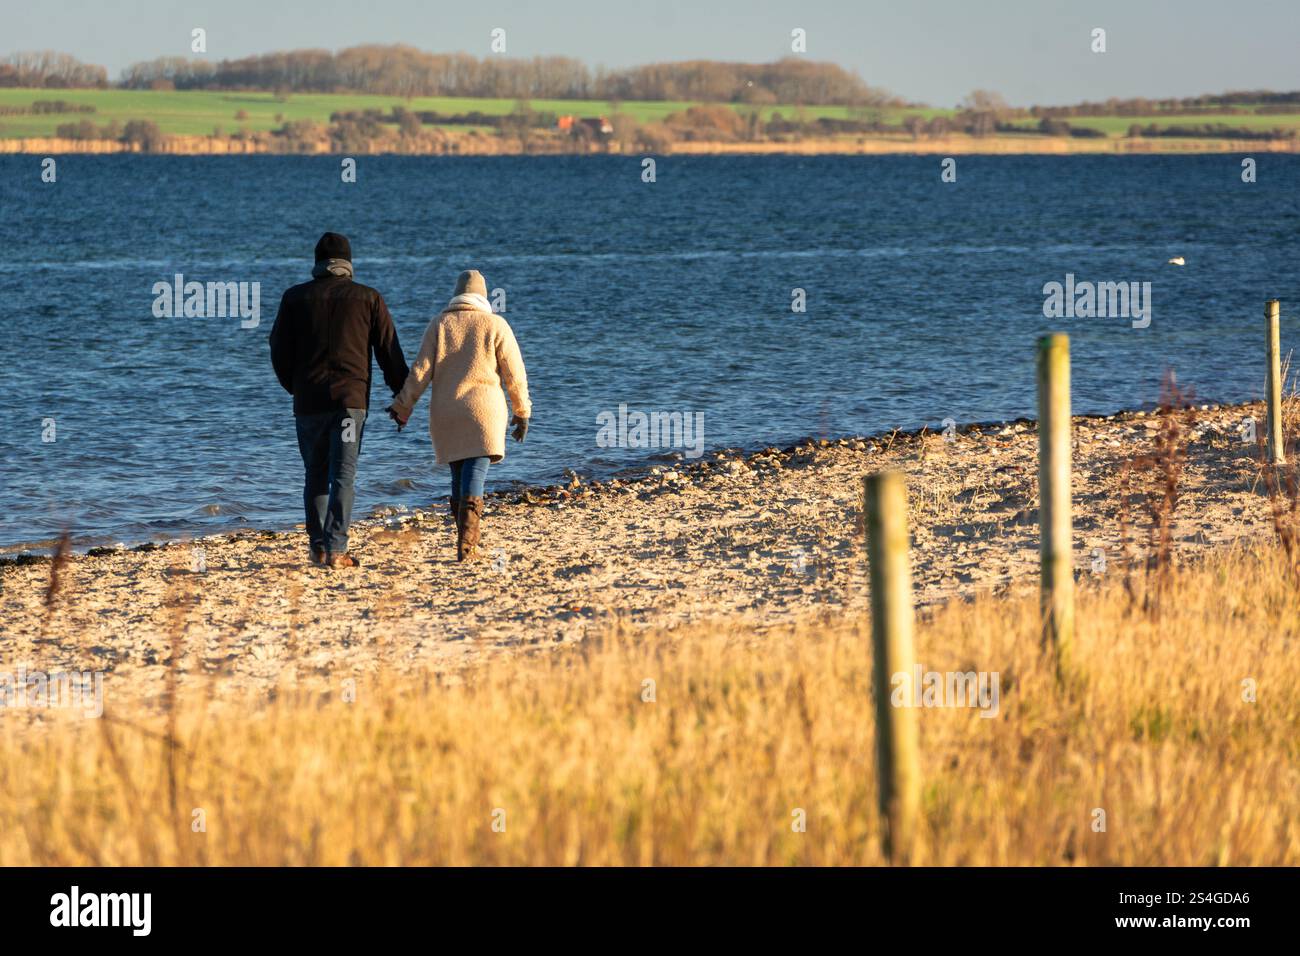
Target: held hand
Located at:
point(393, 414)
point(521, 427)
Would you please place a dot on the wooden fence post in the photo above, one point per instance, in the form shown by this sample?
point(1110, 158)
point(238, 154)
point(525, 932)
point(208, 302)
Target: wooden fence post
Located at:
point(1056, 532)
point(898, 773)
point(1276, 450)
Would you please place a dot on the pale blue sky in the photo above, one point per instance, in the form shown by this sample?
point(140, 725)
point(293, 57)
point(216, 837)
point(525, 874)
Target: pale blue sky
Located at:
point(931, 50)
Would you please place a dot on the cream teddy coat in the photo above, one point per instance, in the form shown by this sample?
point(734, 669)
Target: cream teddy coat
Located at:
point(468, 354)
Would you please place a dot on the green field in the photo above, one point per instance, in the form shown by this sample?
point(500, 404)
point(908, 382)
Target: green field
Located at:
point(1118, 125)
point(199, 113)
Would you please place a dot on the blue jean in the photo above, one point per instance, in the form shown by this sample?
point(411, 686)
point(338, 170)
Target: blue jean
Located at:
point(468, 476)
point(330, 443)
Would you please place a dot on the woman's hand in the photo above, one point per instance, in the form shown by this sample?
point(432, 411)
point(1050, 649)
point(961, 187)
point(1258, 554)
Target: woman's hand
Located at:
point(521, 427)
point(395, 416)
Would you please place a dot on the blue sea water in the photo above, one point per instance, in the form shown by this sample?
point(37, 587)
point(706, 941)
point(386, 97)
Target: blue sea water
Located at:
point(923, 302)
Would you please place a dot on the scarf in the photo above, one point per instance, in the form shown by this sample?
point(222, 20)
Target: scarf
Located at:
point(332, 267)
point(468, 300)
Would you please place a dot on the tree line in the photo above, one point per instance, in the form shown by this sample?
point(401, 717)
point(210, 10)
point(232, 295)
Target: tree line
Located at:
point(47, 69)
point(404, 71)
point(407, 72)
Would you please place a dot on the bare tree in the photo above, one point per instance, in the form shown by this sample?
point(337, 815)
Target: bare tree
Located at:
point(986, 101)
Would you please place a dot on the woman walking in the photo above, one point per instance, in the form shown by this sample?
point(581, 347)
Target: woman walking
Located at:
point(470, 355)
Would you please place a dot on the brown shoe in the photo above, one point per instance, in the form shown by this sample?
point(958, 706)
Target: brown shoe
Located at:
point(317, 557)
point(343, 560)
point(467, 528)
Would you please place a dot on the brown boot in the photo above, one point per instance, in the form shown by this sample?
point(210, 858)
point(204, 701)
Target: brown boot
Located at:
point(342, 560)
point(467, 528)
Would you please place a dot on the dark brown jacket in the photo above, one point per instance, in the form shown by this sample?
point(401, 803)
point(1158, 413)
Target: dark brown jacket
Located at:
point(321, 343)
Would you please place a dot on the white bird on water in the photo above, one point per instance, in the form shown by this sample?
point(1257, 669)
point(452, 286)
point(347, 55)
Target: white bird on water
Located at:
point(1177, 261)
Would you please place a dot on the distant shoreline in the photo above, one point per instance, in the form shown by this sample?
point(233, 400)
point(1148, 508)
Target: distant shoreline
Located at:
point(482, 145)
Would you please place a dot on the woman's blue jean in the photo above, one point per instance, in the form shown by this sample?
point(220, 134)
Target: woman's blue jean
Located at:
point(468, 476)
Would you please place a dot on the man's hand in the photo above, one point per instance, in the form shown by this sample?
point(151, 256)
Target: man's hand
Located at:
point(521, 427)
point(397, 417)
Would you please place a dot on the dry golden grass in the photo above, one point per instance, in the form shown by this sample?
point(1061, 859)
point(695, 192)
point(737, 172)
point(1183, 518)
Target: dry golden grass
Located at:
point(742, 732)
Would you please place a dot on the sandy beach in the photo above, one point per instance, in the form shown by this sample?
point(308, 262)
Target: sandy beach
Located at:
point(766, 538)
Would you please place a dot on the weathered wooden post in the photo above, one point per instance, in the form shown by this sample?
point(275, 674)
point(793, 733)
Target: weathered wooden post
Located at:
point(1056, 532)
point(1276, 449)
point(898, 771)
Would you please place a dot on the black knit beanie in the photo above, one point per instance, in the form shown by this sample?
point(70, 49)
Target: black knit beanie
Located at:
point(333, 246)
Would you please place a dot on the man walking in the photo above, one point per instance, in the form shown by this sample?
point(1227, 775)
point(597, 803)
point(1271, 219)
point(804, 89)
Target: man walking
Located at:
point(321, 345)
